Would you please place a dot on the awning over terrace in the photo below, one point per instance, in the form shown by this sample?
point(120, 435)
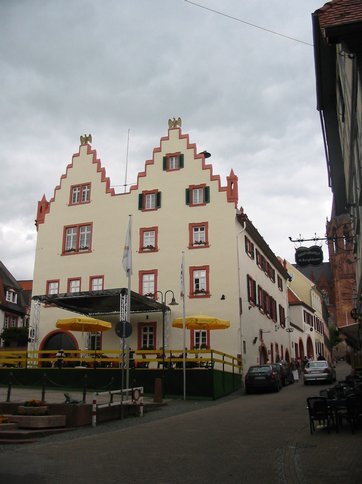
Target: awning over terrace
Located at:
point(103, 304)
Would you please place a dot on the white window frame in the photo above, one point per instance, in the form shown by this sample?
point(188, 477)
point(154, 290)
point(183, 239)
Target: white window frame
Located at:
point(11, 296)
point(198, 197)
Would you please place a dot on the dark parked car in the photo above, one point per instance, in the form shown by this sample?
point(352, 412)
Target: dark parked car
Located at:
point(319, 371)
point(263, 377)
point(286, 373)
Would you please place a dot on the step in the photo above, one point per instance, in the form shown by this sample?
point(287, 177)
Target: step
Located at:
point(38, 421)
point(27, 436)
point(8, 426)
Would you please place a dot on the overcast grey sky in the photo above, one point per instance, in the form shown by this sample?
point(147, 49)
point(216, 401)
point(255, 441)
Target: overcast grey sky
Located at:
point(102, 67)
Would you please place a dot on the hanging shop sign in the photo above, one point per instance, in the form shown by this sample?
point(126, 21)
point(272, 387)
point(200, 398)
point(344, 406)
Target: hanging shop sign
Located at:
point(305, 256)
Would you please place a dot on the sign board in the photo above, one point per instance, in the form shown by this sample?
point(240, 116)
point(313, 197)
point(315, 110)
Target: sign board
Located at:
point(123, 329)
point(305, 256)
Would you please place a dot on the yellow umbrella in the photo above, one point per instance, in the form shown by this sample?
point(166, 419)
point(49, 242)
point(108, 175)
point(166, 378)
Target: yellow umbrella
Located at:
point(201, 321)
point(84, 324)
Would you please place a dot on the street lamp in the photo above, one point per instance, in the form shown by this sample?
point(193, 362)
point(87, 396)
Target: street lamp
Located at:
point(164, 307)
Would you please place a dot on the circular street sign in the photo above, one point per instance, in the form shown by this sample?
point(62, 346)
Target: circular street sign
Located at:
point(123, 329)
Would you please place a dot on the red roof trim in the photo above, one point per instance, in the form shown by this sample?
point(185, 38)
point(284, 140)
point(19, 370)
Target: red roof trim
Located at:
point(100, 169)
point(196, 156)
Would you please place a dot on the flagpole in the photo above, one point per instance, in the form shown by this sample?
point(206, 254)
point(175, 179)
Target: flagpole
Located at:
point(183, 322)
point(127, 266)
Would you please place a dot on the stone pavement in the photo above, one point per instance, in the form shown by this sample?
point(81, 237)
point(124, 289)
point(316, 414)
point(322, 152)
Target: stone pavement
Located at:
point(239, 439)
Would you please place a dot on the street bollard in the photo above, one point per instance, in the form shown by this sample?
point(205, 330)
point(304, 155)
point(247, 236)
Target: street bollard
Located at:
point(85, 388)
point(9, 386)
point(44, 379)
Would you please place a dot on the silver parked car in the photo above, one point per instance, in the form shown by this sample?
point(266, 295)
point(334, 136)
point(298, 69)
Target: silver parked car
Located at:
point(319, 370)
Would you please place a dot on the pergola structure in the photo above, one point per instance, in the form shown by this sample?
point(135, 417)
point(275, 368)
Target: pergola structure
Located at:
point(104, 304)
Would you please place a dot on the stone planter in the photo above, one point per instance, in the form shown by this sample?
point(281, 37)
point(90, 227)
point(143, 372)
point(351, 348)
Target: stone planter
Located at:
point(23, 410)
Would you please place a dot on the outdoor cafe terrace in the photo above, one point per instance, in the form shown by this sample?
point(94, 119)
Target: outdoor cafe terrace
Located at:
point(208, 373)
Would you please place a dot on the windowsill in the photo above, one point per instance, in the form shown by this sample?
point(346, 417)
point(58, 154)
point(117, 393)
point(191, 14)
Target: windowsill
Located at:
point(199, 246)
point(78, 203)
point(77, 252)
point(200, 295)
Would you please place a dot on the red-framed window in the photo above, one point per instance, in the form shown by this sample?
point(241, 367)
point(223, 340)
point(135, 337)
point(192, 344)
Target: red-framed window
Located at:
point(77, 239)
point(146, 335)
point(148, 283)
point(199, 281)
point(96, 283)
point(198, 235)
point(273, 309)
point(149, 200)
point(52, 287)
point(281, 316)
point(173, 161)
point(74, 284)
point(251, 288)
point(80, 194)
point(148, 239)
point(197, 195)
point(200, 339)
point(249, 247)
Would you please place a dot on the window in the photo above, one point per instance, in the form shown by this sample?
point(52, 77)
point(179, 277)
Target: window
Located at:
point(199, 281)
point(197, 195)
point(10, 321)
point(249, 247)
point(95, 341)
point(77, 238)
point(198, 235)
point(273, 309)
point(173, 161)
point(308, 318)
point(270, 271)
point(280, 282)
point(149, 200)
point(147, 336)
point(96, 283)
point(80, 194)
point(281, 316)
point(148, 283)
point(74, 285)
point(200, 339)
point(148, 239)
point(11, 296)
point(251, 287)
point(52, 287)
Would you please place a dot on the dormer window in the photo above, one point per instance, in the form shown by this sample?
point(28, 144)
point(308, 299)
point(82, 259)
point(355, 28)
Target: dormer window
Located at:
point(11, 296)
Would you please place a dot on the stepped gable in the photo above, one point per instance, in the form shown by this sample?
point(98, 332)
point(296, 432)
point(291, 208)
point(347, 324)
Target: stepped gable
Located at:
point(197, 156)
point(44, 205)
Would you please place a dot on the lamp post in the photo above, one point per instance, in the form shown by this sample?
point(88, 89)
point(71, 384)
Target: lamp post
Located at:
point(164, 306)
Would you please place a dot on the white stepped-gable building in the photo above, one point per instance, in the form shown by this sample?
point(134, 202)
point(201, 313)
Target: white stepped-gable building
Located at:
point(178, 205)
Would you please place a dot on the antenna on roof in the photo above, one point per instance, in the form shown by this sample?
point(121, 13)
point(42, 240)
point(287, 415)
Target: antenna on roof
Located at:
point(125, 177)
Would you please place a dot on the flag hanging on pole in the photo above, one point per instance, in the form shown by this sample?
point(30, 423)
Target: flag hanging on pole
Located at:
point(127, 252)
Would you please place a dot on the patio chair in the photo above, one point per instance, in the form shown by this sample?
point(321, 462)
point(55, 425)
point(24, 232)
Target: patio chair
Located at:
point(319, 411)
point(351, 412)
